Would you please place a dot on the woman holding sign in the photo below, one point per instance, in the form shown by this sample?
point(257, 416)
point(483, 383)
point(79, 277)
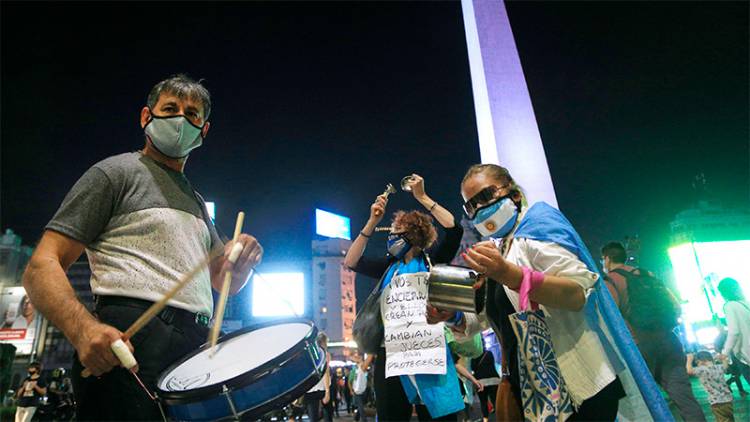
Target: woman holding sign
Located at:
point(412, 364)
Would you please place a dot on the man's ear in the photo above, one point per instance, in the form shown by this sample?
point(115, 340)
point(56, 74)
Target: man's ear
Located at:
point(204, 131)
point(145, 116)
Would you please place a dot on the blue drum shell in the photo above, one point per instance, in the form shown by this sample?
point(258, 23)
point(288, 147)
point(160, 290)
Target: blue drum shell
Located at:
point(273, 385)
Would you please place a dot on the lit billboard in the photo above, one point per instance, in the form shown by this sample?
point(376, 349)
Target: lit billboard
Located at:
point(278, 294)
point(332, 225)
point(20, 320)
point(211, 208)
point(698, 269)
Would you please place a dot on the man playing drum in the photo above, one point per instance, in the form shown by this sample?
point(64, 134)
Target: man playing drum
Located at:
point(143, 227)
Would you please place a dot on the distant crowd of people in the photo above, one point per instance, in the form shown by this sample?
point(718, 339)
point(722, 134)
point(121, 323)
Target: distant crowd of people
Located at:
point(44, 399)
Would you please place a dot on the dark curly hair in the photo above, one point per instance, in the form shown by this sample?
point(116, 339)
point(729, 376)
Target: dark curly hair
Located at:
point(419, 228)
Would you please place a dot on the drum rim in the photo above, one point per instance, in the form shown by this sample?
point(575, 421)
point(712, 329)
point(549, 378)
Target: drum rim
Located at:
point(241, 380)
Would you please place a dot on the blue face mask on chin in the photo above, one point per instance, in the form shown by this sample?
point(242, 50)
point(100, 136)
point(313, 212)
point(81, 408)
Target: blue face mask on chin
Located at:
point(498, 219)
point(397, 245)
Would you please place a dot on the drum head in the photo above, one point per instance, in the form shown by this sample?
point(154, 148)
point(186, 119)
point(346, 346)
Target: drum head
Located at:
point(237, 355)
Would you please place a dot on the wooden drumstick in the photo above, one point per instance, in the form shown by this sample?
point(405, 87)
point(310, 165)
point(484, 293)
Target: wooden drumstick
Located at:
point(219, 318)
point(157, 307)
point(389, 189)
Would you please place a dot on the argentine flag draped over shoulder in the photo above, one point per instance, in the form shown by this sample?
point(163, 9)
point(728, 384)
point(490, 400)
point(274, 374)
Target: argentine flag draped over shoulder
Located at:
point(544, 223)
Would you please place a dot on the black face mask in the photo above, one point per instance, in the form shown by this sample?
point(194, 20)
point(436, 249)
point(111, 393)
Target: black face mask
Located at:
point(398, 245)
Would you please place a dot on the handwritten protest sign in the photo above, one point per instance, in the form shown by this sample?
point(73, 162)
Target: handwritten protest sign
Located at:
point(412, 346)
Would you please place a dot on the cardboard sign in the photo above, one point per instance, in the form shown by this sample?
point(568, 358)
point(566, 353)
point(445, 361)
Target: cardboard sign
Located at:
point(412, 346)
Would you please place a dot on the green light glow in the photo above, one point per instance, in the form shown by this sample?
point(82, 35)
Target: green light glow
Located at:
point(715, 260)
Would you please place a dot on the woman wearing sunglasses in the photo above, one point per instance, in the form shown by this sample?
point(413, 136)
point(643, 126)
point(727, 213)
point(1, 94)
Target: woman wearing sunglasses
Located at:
point(537, 242)
point(412, 235)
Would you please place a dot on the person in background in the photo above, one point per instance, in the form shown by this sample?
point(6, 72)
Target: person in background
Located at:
point(735, 366)
point(467, 394)
point(410, 250)
point(360, 398)
point(320, 392)
point(346, 391)
point(29, 393)
point(331, 408)
point(335, 391)
point(737, 311)
point(712, 378)
point(56, 393)
point(659, 345)
point(486, 373)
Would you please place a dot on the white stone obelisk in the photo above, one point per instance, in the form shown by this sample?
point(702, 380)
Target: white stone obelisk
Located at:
point(507, 127)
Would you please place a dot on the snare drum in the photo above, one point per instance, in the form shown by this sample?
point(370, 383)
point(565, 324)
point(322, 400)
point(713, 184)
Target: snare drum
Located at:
point(253, 371)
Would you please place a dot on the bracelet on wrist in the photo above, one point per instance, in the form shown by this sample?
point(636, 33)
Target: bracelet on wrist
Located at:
point(365, 235)
point(434, 204)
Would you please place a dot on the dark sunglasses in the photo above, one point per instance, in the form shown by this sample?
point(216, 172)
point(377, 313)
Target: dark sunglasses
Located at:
point(482, 199)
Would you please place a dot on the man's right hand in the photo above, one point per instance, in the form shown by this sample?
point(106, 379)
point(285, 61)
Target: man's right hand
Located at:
point(94, 347)
point(377, 209)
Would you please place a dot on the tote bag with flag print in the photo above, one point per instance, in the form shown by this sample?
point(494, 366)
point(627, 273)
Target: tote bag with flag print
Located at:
point(544, 396)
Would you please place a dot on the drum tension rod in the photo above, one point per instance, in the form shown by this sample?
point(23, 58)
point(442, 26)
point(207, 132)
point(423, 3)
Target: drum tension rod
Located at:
point(225, 391)
point(161, 409)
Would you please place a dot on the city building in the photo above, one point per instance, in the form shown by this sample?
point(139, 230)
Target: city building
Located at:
point(334, 302)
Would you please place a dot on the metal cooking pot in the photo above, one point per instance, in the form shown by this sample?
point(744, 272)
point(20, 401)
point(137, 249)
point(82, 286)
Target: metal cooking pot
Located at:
point(452, 288)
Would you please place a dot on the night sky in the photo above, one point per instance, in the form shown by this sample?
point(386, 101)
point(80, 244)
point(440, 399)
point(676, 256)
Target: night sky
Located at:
point(322, 104)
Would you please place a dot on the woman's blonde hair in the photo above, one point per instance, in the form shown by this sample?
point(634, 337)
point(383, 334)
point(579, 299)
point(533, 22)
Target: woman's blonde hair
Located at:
point(499, 173)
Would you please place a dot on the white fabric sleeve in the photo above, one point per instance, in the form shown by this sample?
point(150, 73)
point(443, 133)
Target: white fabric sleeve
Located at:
point(730, 311)
point(551, 258)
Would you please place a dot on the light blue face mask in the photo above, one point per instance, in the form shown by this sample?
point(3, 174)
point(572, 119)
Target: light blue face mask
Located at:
point(173, 136)
point(498, 219)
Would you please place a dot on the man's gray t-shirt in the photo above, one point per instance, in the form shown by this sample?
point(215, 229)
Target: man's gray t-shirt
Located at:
point(144, 227)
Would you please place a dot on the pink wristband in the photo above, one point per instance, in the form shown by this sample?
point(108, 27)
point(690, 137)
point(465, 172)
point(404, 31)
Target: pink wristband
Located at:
point(537, 278)
point(530, 281)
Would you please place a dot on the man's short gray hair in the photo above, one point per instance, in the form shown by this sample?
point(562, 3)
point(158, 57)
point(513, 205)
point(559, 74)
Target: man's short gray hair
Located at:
point(182, 86)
